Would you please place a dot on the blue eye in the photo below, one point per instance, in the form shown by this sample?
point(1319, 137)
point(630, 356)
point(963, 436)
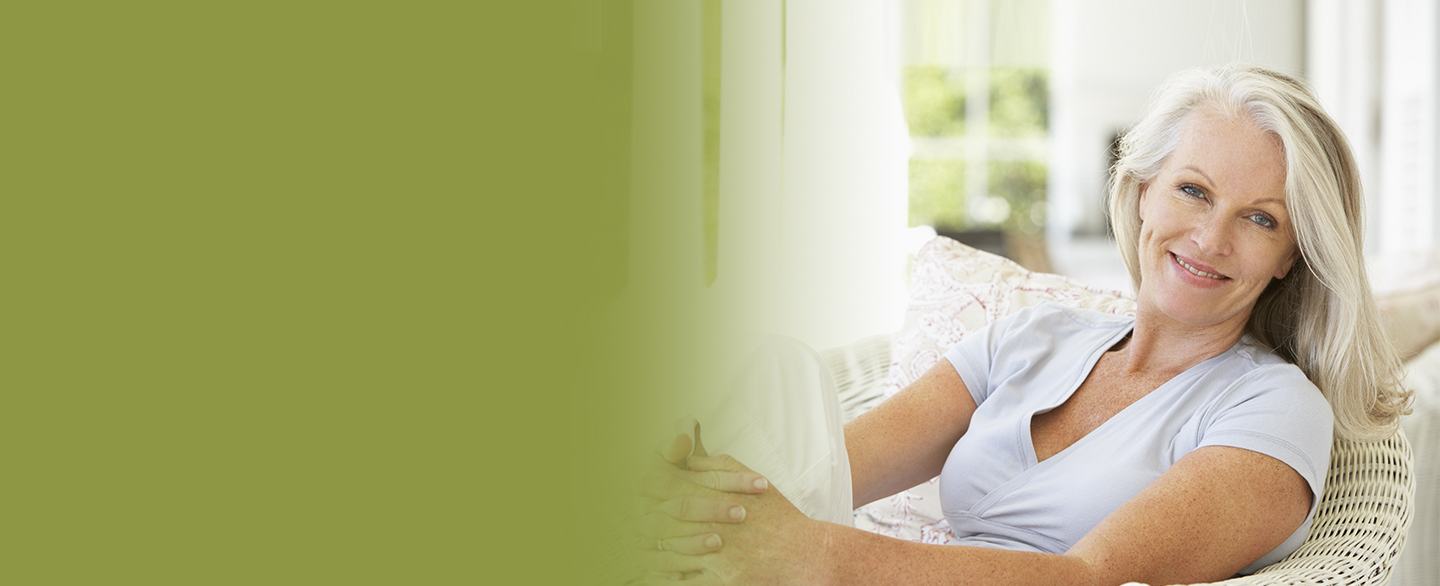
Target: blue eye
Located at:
point(1263, 221)
point(1192, 191)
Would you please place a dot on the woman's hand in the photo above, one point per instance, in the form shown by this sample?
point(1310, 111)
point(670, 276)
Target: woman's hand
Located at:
point(776, 543)
point(680, 449)
point(678, 521)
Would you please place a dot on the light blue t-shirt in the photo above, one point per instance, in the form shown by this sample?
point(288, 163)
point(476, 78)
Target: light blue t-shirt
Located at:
point(995, 494)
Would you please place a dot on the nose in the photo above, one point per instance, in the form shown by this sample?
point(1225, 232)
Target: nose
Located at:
point(1212, 236)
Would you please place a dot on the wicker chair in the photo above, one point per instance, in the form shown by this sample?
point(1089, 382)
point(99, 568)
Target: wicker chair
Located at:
point(1358, 530)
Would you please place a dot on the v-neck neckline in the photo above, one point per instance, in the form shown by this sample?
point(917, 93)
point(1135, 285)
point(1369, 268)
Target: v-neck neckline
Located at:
point(1032, 458)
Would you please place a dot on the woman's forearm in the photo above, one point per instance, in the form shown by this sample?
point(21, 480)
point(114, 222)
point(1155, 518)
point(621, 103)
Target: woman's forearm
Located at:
point(905, 440)
point(854, 556)
point(879, 468)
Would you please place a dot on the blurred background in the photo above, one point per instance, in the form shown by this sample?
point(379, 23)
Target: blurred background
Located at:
point(793, 154)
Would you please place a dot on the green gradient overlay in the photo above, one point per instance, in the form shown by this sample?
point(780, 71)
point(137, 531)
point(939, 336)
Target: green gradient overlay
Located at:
point(309, 292)
point(711, 32)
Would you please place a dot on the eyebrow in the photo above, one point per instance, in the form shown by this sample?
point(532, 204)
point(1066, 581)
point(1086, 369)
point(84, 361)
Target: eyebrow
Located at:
point(1202, 173)
point(1197, 170)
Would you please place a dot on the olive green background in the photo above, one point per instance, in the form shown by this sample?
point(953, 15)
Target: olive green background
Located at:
point(302, 292)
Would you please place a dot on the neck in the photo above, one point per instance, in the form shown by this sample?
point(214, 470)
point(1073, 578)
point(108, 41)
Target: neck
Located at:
point(1160, 344)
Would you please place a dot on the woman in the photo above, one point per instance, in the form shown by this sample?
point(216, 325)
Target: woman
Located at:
point(1184, 445)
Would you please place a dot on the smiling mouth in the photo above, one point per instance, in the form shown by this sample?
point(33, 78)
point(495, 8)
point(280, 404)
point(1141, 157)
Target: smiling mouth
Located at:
point(1196, 271)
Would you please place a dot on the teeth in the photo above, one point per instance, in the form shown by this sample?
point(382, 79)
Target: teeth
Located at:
point(1195, 270)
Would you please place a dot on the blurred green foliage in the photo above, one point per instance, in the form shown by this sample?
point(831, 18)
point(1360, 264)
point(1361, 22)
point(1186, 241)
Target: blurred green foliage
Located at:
point(1022, 185)
point(936, 189)
point(1019, 102)
point(934, 101)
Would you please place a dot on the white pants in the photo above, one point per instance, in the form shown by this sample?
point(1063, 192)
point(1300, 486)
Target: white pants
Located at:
point(780, 416)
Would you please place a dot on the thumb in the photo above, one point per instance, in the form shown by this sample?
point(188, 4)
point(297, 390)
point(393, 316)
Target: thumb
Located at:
point(699, 445)
point(690, 428)
point(675, 450)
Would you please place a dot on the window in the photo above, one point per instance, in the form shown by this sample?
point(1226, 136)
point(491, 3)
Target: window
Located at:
point(974, 84)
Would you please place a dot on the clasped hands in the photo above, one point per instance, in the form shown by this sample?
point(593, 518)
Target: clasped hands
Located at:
point(712, 519)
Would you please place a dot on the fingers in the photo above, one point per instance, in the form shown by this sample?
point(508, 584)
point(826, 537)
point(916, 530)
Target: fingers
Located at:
point(674, 484)
point(741, 482)
point(669, 579)
point(675, 450)
point(698, 544)
point(690, 545)
point(726, 474)
point(697, 514)
point(652, 526)
point(669, 562)
point(671, 485)
point(689, 427)
point(699, 509)
point(699, 445)
point(723, 462)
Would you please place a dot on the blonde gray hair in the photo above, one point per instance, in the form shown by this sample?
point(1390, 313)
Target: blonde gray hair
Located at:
point(1322, 317)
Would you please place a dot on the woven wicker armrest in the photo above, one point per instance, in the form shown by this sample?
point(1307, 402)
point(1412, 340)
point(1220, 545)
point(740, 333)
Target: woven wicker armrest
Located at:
point(859, 370)
point(1360, 526)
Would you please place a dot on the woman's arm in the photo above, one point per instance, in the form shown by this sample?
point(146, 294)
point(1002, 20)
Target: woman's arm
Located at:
point(1214, 512)
point(900, 443)
point(905, 440)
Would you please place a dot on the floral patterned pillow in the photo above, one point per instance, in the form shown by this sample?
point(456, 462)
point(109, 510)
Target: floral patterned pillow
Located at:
point(954, 290)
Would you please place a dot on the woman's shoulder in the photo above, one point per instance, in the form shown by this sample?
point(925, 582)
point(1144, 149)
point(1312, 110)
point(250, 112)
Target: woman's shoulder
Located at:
point(1064, 315)
point(1267, 368)
point(1051, 325)
point(1257, 373)
point(1259, 355)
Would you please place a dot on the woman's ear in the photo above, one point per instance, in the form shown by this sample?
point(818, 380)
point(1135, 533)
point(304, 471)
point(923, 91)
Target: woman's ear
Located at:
point(1141, 204)
point(1288, 264)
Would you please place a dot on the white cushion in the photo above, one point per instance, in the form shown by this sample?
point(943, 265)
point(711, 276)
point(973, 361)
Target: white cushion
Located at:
point(1407, 291)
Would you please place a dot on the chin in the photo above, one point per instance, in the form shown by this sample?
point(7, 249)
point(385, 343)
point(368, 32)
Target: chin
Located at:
point(1194, 308)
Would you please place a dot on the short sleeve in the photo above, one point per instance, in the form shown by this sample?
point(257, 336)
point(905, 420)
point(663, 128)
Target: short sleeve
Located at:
point(974, 356)
point(1276, 411)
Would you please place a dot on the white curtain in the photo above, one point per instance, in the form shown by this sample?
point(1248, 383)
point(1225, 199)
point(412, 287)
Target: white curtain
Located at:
point(814, 154)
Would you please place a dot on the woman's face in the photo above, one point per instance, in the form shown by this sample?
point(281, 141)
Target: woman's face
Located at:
point(1214, 226)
